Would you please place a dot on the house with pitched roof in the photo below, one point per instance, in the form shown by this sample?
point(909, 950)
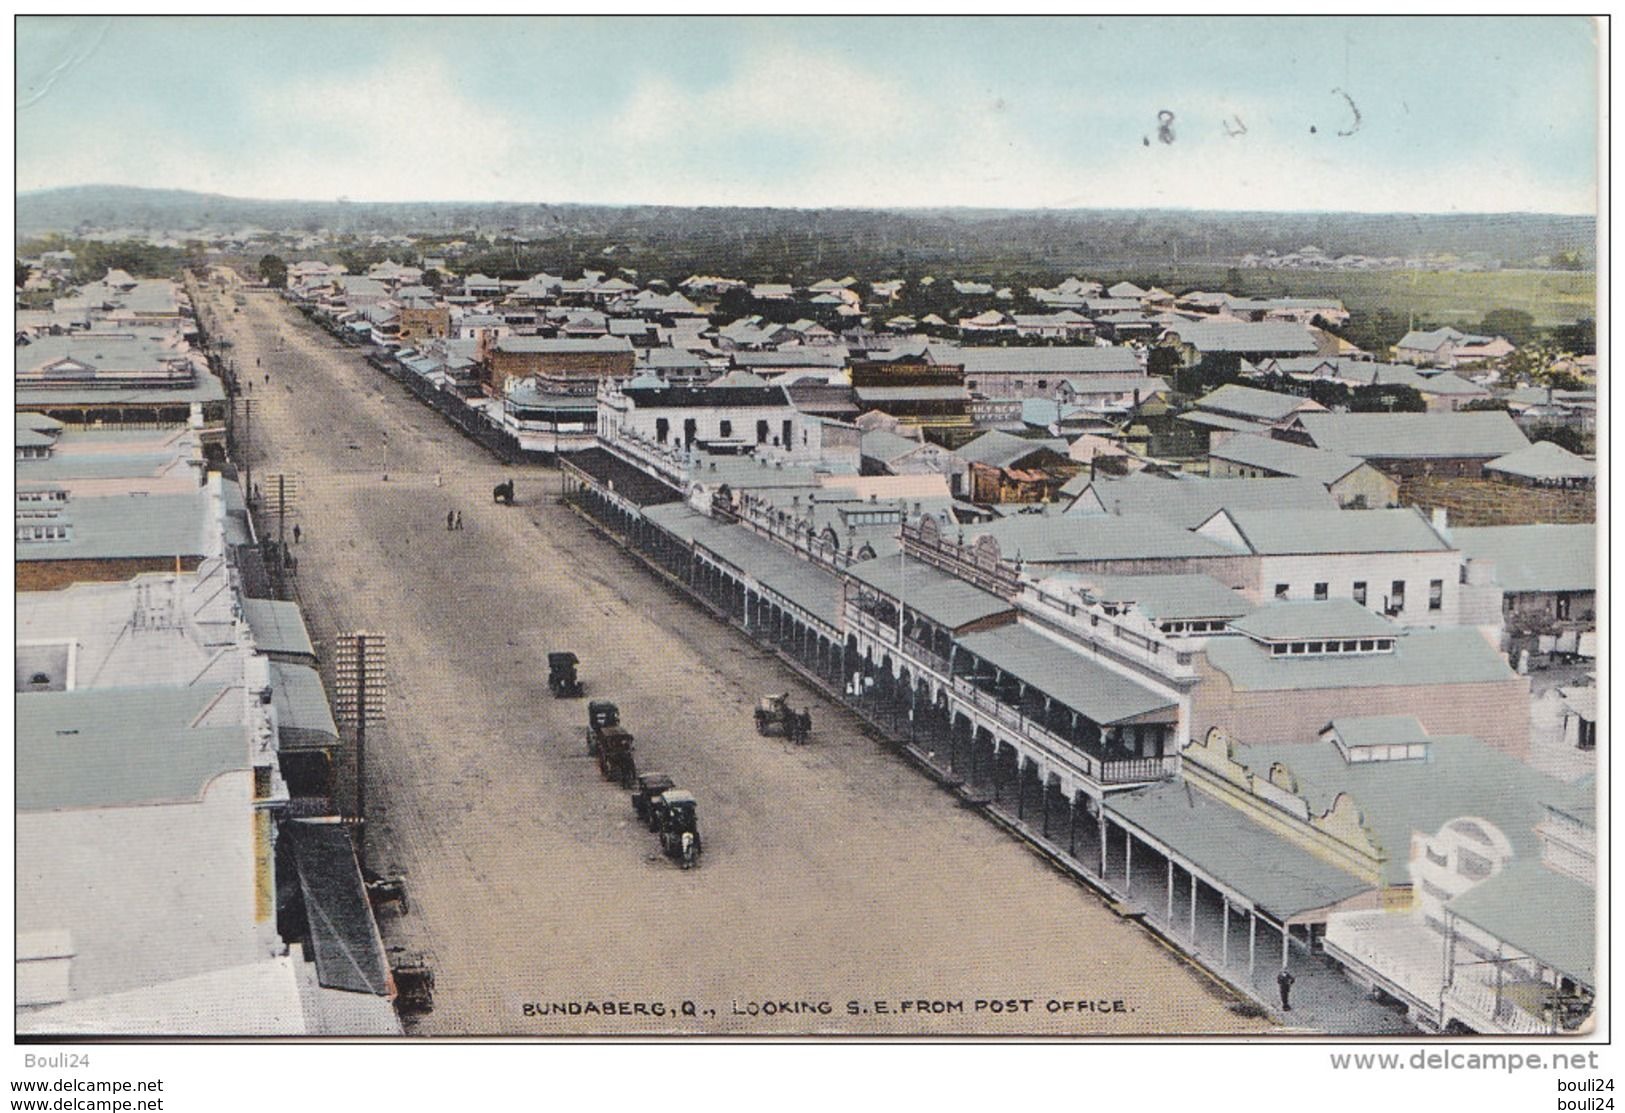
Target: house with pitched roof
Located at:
point(1449, 347)
point(1406, 444)
point(1352, 482)
point(1391, 562)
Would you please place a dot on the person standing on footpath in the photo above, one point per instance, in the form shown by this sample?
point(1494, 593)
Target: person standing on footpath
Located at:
point(451, 517)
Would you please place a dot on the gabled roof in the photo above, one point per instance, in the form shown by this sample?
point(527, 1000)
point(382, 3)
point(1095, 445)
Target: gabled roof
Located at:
point(1280, 532)
point(1376, 436)
point(886, 446)
point(1536, 557)
point(1067, 539)
point(1544, 460)
point(1260, 405)
point(1061, 361)
point(1332, 618)
point(1190, 500)
point(1279, 337)
point(1421, 658)
point(1285, 458)
point(999, 449)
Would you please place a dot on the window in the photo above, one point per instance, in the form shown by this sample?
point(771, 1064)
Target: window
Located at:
point(1367, 646)
point(1471, 865)
point(1278, 649)
point(1385, 644)
point(1396, 597)
point(789, 437)
point(725, 429)
point(1359, 592)
point(1436, 595)
point(1281, 590)
point(1320, 592)
point(970, 384)
point(662, 430)
point(761, 432)
point(1298, 647)
point(1043, 384)
point(1317, 647)
point(1350, 647)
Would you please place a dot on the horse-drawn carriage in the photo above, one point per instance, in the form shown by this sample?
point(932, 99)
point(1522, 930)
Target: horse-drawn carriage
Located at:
point(650, 785)
point(774, 714)
point(674, 815)
point(561, 675)
point(503, 492)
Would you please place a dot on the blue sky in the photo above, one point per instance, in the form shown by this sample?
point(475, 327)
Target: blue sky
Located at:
point(1480, 114)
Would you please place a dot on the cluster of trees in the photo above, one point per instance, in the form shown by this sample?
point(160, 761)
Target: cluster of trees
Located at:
point(274, 271)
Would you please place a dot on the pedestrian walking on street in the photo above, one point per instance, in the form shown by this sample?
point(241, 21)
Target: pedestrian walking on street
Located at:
point(296, 535)
point(1283, 982)
point(451, 520)
point(459, 519)
point(437, 479)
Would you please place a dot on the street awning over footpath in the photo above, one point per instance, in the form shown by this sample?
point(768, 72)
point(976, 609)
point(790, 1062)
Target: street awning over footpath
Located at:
point(344, 939)
point(279, 629)
point(304, 717)
point(1231, 852)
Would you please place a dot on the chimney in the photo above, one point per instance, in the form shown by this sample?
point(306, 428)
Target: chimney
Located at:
point(1441, 521)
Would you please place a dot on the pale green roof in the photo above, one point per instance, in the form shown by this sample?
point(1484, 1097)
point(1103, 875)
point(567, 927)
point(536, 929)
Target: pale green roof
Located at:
point(944, 599)
point(1461, 776)
point(1535, 557)
point(1189, 500)
point(1330, 618)
point(1287, 530)
point(126, 526)
point(1545, 914)
point(278, 627)
point(117, 747)
point(1171, 596)
point(1285, 458)
point(1247, 858)
point(1071, 678)
point(1544, 460)
point(1077, 538)
point(1249, 402)
point(1379, 730)
point(1472, 435)
point(1454, 655)
point(999, 449)
point(304, 716)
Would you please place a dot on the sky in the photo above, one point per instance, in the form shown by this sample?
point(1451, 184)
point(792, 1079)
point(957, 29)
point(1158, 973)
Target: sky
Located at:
point(1370, 115)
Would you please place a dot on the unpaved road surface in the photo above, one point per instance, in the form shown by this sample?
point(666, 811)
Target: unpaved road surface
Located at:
point(833, 873)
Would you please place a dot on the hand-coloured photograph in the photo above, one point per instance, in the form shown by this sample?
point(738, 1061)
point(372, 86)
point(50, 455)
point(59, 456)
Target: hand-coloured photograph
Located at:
point(886, 528)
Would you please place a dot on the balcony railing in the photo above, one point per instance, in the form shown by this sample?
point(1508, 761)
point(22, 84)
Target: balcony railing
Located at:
point(1062, 752)
point(1101, 633)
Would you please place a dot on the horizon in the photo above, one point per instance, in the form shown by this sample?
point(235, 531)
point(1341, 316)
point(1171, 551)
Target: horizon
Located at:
point(500, 202)
point(1041, 114)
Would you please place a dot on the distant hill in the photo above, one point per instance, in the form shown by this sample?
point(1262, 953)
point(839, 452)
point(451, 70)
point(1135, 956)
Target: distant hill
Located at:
point(954, 240)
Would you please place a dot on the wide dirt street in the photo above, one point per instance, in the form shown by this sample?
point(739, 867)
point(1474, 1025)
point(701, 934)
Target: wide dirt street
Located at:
point(833, 873)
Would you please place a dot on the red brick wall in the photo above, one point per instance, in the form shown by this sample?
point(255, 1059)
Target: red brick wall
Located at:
point(48, 575)
point(1496, 713)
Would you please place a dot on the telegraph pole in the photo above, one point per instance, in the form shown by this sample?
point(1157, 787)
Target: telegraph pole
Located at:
point(360, 684)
